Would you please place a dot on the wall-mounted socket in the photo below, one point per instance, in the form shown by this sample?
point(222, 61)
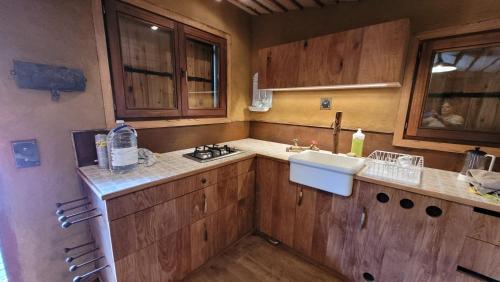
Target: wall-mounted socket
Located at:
point(325, 103)
point(26, 153)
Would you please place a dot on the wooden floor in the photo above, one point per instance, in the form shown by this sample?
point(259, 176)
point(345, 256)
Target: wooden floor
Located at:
point(253, 259)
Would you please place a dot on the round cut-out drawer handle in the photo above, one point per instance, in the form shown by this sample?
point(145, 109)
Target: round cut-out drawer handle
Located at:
point(368, 277)
point(382, 197)
point(203, 180)
point(406, 204)
point(433, 211)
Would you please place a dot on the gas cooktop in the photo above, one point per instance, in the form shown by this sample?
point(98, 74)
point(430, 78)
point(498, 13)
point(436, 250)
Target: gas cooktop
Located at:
point(208, 153)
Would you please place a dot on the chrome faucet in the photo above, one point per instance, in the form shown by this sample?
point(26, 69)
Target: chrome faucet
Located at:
point(336, 125)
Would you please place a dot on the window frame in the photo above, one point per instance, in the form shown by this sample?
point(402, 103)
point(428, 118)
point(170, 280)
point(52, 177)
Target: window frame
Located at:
point(188, 32)
point(180, 32)
point(421, 81)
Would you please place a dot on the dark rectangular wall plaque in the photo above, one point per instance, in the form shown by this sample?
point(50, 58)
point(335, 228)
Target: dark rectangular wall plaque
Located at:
point(47, 77)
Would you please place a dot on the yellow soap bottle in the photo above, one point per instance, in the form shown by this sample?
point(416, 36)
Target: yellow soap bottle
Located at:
point(358, 139)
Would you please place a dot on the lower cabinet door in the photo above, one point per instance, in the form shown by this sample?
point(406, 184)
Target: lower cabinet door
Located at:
point(202, 241)
point(226, 231)
point(174, 255)
point(321, 219)
point(395, 235)
point(283, 206)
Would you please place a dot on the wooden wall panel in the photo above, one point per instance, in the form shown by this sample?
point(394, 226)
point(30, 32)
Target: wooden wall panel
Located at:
point(168, 139)
point(283, 133)
point(161, 140)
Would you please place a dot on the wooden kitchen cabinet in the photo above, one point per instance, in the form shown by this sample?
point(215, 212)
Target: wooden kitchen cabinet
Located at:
point(321, 219)
point(212, 234)
point(202, 241)
point(370, 55)
point(164, 232)
point(401, 236)
point(276, 196)
point(203, 203)
point(246, 202)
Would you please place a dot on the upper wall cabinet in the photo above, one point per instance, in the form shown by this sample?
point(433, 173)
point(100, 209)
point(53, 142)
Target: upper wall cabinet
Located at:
point(162, 68)
point(365, 57)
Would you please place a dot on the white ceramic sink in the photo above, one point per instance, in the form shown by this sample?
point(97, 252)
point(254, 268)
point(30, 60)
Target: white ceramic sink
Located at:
point(325, 171)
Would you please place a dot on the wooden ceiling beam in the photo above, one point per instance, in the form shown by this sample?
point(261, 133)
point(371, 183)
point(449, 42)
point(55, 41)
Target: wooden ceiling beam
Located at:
point(297, 4)
point(248, 7)
point(319, 3)
point(491, 64)
point(263, 6)
point(283, 8)
point(475, 60)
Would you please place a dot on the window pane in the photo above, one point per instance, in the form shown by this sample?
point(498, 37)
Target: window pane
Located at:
point(464, 90)
point(147, 56)
point(203, 74)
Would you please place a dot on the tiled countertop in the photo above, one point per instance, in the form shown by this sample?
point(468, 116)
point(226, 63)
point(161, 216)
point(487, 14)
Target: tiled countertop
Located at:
point(172, 165)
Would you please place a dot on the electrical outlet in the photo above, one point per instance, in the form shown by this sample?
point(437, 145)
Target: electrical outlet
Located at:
point(26, 153)
point(325, 103)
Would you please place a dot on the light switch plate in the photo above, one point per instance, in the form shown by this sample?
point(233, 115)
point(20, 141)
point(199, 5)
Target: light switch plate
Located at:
point(26, 153)
point(325, 103)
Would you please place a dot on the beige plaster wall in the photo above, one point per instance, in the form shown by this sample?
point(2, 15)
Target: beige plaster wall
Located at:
point(52, 32)
point(373, 110)
point(232, 20)
point(61, 32)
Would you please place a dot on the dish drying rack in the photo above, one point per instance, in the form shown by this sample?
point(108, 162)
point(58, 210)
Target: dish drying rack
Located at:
point(395, 166)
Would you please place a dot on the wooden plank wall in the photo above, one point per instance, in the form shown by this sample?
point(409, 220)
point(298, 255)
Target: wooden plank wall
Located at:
point(200, 73)
point(147, 51)
point(161, 140)
point(284, 133)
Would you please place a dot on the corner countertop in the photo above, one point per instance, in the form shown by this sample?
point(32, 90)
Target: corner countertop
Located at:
point(172, 165)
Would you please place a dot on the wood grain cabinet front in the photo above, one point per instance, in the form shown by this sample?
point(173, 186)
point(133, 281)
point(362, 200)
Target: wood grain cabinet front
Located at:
point(321, 220)
point(276, 196)
point(370, 55)
point(401, 236)
point(164, 232)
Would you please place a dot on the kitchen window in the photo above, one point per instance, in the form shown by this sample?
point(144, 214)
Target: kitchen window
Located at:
point(162, 68)
point(456, 94)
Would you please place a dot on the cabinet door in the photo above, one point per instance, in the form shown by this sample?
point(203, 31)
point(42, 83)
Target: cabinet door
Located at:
point(283, 206)
point(401, 236)
point(330, 60)
point(266, 179)
point(246, 202)
point(227, 192)
point(174, 255)
point(320, 226)
point(383, 52)
point(278, 65)
point(276, 200)
point(226, 230)
point(202, 240)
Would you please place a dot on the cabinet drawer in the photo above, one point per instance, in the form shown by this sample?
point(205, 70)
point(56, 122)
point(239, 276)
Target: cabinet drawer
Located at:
point(480, 257)
point(485, 226)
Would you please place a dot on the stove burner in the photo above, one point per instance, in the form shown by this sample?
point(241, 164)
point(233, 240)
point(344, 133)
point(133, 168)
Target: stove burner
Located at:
point(211, 152)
